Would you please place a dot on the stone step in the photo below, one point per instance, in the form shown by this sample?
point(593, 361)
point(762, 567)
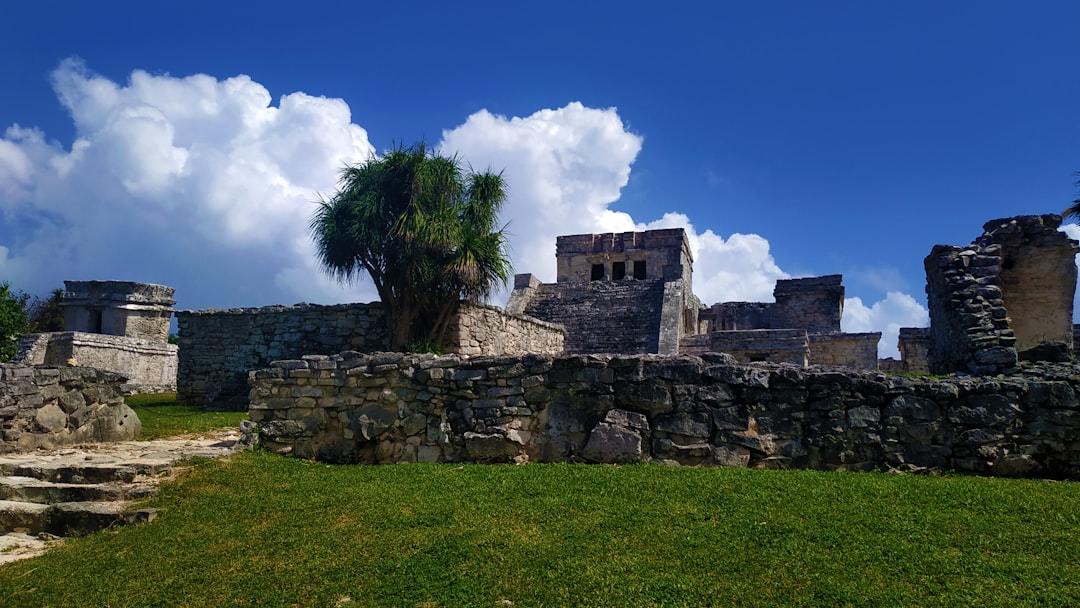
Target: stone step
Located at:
point(68, 518)
point(88, 473)
point(30, 489)
point(23, 517)
point(45, 495)
point(82, 518)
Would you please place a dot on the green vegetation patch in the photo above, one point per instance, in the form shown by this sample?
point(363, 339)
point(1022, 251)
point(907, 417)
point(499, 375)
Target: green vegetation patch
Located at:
point(270, 531)
point(161, 416)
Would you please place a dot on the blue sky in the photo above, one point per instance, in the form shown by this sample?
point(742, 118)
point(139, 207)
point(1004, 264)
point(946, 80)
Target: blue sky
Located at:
point(791, 138)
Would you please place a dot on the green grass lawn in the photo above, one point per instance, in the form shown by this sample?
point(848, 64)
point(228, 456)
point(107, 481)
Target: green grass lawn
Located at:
point(161, 416)
point(262, 530)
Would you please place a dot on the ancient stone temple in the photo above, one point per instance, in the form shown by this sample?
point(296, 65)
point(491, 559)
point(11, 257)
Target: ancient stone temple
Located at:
point(1007, 296)
point(118, 326)
point(632, 293)
point(118, 308)
point(627, 292)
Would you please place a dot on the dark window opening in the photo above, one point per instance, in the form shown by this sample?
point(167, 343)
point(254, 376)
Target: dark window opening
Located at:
point(597, 272)
point(758, 358)
point(618, 271)
point(639, 270)
point(95, 322)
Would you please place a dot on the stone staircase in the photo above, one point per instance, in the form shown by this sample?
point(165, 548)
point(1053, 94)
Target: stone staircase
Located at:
point(46, 496)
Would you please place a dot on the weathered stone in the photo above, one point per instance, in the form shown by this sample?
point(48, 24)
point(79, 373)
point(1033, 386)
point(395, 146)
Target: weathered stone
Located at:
point(695, 427)
point(731, 456)
point(614, 444)
point(630, 420)
point(863, 416)
point(51, 419)
point(489, 447)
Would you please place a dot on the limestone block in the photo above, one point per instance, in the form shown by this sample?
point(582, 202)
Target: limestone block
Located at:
point(51, 419)
point(615, 444)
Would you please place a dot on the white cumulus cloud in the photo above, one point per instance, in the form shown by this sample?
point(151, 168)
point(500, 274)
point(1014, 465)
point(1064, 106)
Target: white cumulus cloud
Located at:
point(195, 182)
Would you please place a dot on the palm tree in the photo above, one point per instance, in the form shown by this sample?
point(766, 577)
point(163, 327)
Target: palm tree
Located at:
point(423, 229)
point(1073, 210)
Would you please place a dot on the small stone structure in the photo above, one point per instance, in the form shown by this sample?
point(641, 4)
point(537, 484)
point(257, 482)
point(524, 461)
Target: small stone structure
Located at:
point(1006, 296)
point(627, 292)
point(119, 326)
point(387, 408)
point(219, 347)
point(49, 407)
point(914, 346)
point(802, 327)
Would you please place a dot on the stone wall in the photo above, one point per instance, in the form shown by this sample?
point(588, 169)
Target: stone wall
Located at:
point(47, 407)
point(386, 408)
point(736, 316)
point(149, 365)
point(847, 350)
point(219, 347)
point(479, 329)
point(1006, 296)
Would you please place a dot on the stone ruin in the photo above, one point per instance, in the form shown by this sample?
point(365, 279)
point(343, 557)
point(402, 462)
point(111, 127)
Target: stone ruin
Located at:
point(801, 327)
point(632, 293)
point(118, 326)
point(1006, 297)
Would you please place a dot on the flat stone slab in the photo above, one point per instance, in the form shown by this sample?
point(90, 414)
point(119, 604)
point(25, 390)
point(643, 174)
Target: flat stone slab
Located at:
point(16, 546)
point(143, 457)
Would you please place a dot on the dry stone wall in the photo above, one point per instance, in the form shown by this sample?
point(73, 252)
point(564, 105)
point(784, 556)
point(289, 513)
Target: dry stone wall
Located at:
point(479, 329)
point(48, 407)
point(219, 347)
point(709, 410)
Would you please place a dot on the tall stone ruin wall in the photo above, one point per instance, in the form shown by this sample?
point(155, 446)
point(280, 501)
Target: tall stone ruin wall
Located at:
point(219, 347)
point(150, 366)
point(48, 407)
point(1007, 296)
point(388, 408)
